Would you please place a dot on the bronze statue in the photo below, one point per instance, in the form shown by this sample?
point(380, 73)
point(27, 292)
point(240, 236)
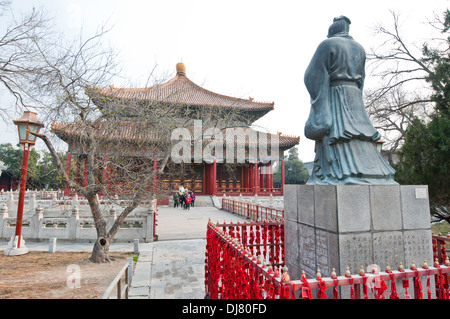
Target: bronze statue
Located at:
point(338, 122)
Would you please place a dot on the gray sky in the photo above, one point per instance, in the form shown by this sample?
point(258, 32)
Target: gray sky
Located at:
point(250, 48)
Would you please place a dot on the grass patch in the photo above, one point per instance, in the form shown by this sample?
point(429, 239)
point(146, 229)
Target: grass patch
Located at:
point(442, 227)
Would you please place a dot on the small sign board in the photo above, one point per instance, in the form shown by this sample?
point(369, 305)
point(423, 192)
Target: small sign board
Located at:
point(421, 193)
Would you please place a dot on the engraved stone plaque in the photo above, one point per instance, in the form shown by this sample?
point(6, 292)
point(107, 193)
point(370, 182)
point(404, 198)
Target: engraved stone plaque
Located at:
point(322, 251)
point(421, 193)
point(388, 248)
point(418, 246)
point(307, 248)
point(356, 250)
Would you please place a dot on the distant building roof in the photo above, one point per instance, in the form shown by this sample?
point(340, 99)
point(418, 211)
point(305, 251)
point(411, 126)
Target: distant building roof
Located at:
point(133, 132)
point(179, 90)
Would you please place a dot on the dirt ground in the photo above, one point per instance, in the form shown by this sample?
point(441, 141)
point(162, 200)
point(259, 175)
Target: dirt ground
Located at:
point(61, 275)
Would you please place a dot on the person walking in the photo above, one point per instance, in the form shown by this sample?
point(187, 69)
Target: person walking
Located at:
point(176, 200)
point(188, 201)
point(182, 199)
point(192, 199)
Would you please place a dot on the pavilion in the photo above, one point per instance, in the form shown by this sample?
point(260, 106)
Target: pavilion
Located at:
point(212, 175)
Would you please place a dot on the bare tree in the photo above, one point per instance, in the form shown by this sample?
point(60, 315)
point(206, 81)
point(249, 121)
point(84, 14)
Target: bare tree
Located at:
point(413, 93)
point(403, 92)
point(19, 54)
point(100, 133)
point(129, 138)
point(397, 63)
point(392, 120)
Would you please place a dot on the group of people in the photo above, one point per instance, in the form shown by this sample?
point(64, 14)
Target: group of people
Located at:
point(184, 198)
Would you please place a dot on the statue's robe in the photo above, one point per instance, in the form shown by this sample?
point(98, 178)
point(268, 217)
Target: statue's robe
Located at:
point(338, 122)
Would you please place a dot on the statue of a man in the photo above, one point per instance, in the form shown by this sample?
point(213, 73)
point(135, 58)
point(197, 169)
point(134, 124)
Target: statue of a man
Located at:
point(338, 122)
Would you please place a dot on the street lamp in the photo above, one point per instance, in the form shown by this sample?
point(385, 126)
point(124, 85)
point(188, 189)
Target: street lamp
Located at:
point(26, 125)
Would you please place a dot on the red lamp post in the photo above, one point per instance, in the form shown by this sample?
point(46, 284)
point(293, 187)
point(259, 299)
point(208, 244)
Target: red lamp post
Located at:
point(26, 125)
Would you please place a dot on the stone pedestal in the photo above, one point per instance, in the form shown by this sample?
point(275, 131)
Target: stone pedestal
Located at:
point(343, 226)
point(13, 250)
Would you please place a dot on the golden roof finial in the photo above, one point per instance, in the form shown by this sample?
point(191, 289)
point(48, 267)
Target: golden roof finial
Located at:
point(181, 69)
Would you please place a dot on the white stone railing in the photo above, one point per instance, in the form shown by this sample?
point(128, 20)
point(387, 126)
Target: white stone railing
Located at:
point(54, 202)
point(276, 202)
point(75, 226)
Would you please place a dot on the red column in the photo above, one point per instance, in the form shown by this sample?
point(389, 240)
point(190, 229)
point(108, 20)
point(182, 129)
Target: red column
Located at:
point(261, 177)
point(78, 170)
point(250, 179)
point(208, 179)
point(213, 179)
point(85, 172)
point(205, 179)
point(270, 175)
point(23, 185)
point(69, 161)
point(220, 177)
point(255, 189)
point(282, 177)
point(245, 178)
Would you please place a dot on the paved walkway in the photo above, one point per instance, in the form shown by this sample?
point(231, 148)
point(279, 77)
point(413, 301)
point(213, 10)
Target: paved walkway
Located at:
point(173, 266)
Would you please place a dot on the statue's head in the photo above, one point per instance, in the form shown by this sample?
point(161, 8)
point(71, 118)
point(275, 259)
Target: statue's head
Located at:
point(340, 25)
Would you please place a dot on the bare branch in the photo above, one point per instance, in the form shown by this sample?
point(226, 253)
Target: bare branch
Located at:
point(400, 68)
point(59, 165)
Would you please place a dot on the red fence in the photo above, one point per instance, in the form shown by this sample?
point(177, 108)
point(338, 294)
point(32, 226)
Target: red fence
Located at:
point(439, 245)
point(232, 270)
point(238, 265)
point(251, 211)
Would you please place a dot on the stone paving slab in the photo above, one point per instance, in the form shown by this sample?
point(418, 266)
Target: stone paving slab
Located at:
point(174, 265)
point(176, 223)
point(178, 269)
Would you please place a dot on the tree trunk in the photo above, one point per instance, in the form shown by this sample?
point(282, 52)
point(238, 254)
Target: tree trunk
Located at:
point(100, 251)
point(101, 246)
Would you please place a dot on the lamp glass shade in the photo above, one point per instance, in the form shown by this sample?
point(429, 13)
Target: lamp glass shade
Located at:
point(28, 122)
point(22, 132)
point(34, 129)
